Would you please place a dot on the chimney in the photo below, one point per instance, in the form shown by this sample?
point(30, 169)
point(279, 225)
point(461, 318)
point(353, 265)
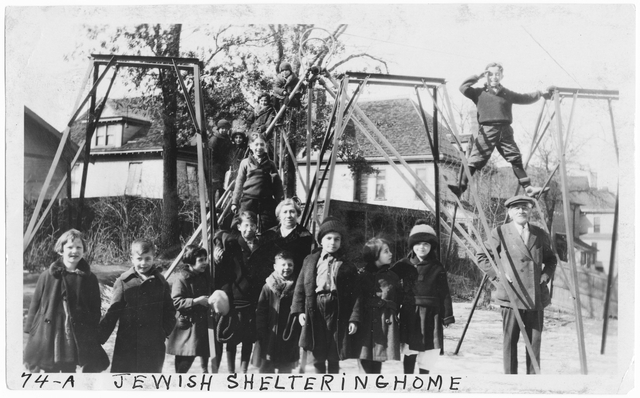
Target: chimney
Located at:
point(593, 179)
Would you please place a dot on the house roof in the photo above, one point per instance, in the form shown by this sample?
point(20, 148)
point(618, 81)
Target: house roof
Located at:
point(52, 135)
point(593, 199)
point(577, 242)
point(131, 110)
point(401, 124)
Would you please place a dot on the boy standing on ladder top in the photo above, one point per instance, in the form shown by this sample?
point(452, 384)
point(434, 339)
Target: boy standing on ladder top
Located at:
point(494, 103)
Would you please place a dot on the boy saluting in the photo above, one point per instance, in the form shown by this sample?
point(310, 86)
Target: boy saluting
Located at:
point(494, 103)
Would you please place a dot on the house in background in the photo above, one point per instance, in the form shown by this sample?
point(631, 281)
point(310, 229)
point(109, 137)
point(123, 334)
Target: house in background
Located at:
point(592, 219)
point(41, 141)
point(126, 155)
point(401, 124)
point(592, 223)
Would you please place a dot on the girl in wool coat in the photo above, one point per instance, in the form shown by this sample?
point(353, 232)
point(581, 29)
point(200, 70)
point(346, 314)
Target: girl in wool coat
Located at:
point(258, 184)
point(378, 338)
point(190, 292)
point(64, 314)
point(426, 306)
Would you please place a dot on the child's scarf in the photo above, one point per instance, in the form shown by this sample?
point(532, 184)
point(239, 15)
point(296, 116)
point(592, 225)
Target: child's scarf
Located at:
point(280, 286)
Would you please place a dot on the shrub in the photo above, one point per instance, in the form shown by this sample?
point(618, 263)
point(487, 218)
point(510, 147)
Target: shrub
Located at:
point(110, 224)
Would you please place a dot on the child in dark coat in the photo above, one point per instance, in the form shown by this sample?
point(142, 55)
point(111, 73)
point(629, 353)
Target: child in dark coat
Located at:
point(258, 185)
point(427, 302)
point(190, 293)
point(378, 337)
point(494, 104)
point(284, 84)
point(238, 152)
point(326, 300)
point(271, 351)
point(64, 314)
point(241, 278)
point(141, 301)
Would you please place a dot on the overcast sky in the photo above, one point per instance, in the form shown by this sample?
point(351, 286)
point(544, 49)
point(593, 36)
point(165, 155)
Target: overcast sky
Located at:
point(581, 46)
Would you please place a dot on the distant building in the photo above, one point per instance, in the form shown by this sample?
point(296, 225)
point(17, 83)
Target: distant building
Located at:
point(401, 124)
point(41, 141)
point(592, 223)
point(126, 155)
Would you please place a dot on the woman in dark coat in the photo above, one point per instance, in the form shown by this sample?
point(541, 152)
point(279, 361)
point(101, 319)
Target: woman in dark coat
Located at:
point(63, 318)
point(427, 305)
point(190, 291)
point(288, 235)
point(378, 337)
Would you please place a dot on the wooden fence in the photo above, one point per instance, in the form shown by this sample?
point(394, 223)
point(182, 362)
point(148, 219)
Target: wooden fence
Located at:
point(593, 287)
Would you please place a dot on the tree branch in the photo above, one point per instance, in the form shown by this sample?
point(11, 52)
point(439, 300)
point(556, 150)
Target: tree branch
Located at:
point(361, 55)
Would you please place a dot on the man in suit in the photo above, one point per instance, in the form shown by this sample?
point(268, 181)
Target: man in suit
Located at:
point(528, 263)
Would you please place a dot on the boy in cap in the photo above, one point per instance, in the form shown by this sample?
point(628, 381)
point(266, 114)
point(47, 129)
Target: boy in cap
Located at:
point(494, 103)
point(220, 147)
point(326, 300)
point(528, 262)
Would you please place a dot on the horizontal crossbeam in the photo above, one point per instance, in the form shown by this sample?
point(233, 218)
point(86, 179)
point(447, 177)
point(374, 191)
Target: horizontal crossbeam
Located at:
point(592, 94)
point(148, 60)
point(379, 78)
point(391, 84)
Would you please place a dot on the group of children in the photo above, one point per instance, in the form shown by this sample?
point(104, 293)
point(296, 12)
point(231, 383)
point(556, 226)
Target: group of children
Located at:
point(330, 308)
point(318, 301)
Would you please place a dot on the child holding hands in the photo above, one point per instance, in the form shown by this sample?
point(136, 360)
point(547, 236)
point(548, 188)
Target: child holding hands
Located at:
point(141, 302)
point(190, 293)
point(427, 303)
point(271, 351)
point(326, 300)
point(64, 314)
point(378, 337)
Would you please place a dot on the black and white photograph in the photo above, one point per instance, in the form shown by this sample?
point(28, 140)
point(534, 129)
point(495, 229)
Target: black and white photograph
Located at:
point(327, 197)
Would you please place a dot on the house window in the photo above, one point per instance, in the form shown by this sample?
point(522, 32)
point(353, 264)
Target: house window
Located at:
point(322, 194)
point(105, 135)
point(360, 184)
point(596, 225)
point(110, 140)
point(101, 136)
point(134, 179)
point(595, 254)
point(421, 173)
point(381, 182)
point(192, 180)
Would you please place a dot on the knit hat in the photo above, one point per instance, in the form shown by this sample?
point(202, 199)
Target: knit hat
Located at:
point(223, 123)
point(264, 94)
point(422, 232)
point(331, 224)
point(285, 66)
point(233, 135)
